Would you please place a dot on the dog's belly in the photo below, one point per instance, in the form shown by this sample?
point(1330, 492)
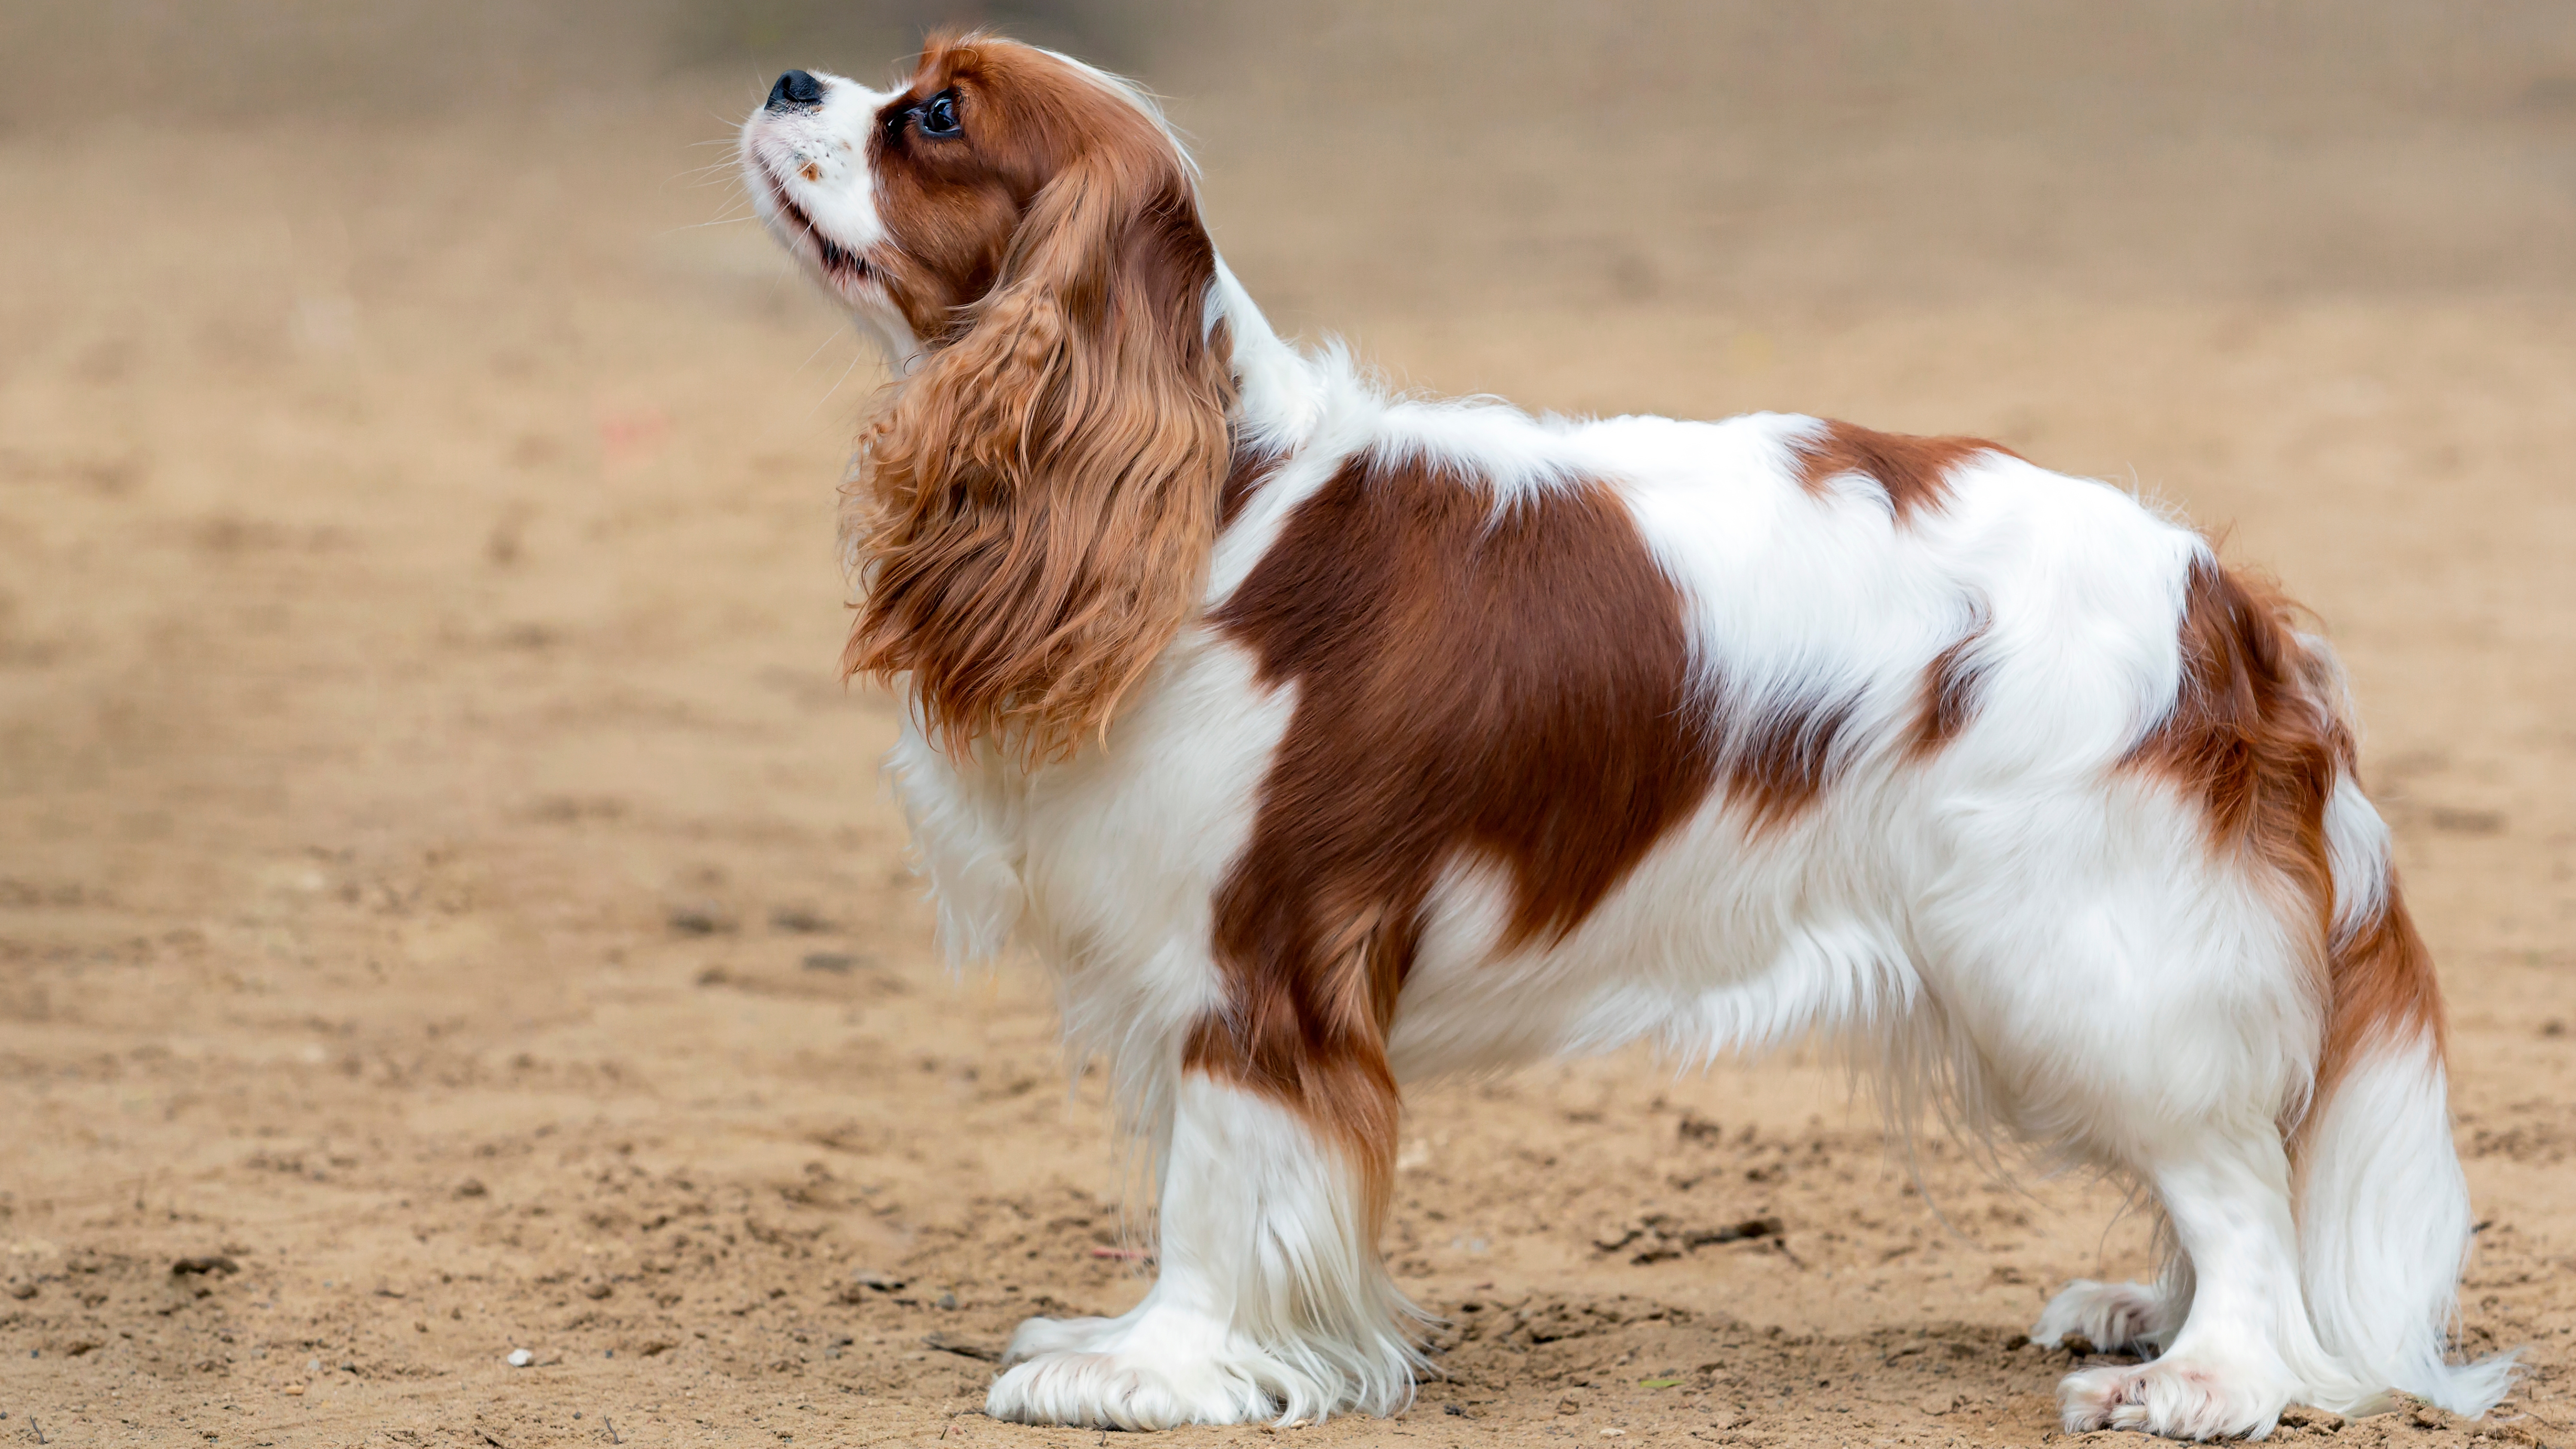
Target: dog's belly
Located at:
point(1717, 943)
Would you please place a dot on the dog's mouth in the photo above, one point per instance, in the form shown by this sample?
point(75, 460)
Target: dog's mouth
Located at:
point(842, 265)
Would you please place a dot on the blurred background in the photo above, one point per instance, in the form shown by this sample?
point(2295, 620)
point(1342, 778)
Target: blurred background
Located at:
point(338, 332)
point(421, 760)
point(1696, 153)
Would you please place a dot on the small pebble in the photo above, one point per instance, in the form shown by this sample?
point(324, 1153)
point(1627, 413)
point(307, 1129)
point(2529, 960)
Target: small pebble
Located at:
point(521, 1358)
point(701, 918)
point(313, 1365)
point(798, 919)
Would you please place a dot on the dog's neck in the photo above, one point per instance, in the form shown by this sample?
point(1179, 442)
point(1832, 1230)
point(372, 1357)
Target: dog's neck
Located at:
point(1278, 397)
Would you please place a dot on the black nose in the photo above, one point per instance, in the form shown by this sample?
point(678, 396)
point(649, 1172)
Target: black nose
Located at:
point(796, 88)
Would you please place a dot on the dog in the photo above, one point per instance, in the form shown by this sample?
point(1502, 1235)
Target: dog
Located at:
point(1323, 741)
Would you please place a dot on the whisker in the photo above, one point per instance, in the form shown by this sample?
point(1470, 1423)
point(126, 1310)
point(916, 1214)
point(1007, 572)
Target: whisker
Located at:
point(702, 225)
point(855, 355)
point(706, 175)
point(818, 351)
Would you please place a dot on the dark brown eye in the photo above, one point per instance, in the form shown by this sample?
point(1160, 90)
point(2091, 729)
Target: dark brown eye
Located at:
point(938, 115)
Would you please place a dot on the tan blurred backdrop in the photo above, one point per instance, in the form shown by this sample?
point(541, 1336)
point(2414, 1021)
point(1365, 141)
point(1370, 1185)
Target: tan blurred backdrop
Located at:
point(1693, 153)
point(440, 872)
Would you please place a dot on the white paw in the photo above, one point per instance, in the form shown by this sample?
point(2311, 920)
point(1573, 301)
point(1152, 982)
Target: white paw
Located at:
point(2113, 1317)
point(1125, 1390)
point(1158, 1366)
point(2178, 1400)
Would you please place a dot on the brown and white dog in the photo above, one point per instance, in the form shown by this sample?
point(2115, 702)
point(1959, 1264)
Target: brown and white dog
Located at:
point(1324, 741)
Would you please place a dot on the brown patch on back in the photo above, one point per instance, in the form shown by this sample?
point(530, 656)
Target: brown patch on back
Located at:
point(1912, 471)
point(1949, 694)
point(2256, 736)
point(1785, 759)
point(1506, 685)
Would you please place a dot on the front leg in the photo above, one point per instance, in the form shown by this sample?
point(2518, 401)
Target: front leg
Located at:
point(1272, 1303)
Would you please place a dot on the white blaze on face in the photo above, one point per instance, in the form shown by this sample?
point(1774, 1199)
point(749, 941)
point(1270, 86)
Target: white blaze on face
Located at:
point(806, 167)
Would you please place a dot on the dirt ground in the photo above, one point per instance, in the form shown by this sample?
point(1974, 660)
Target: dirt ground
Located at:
point(446, 905)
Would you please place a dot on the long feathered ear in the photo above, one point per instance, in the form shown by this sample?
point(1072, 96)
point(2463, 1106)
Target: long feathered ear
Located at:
point(1032, 519)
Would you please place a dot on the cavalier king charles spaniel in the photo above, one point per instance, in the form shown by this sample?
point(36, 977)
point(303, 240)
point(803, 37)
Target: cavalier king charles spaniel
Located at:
point(1323, 741)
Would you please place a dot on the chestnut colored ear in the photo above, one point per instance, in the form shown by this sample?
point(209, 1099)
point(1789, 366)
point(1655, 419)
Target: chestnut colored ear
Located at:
point(1033, 517)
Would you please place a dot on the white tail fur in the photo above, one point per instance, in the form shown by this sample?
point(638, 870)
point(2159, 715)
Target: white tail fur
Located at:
point(2383, 1210)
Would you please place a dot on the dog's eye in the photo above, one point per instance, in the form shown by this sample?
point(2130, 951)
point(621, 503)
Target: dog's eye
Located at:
point(938, 115)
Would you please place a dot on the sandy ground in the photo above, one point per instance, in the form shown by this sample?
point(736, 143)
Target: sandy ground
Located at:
point(446, 906)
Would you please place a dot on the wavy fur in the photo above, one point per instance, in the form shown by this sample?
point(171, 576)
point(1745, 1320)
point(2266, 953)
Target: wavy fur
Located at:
point(1032, 516)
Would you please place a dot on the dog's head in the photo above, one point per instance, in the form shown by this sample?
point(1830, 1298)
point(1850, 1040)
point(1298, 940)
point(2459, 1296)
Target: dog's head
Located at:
point(998, 166)
point(1036, 506)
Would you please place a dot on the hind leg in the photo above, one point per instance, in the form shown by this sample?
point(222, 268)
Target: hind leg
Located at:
point(2244, 1349)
